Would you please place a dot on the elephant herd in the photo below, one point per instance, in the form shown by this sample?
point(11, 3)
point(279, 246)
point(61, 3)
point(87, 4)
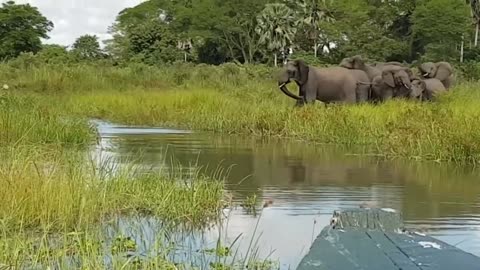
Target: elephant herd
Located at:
point(355, 81)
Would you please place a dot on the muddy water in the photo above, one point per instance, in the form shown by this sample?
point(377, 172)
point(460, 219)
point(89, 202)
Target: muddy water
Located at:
point(306, 183)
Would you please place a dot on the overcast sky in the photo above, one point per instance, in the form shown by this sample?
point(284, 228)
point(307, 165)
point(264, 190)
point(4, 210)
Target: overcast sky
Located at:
point(73, 18)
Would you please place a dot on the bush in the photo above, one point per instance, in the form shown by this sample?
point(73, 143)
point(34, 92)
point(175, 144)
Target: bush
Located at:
point(469, 70)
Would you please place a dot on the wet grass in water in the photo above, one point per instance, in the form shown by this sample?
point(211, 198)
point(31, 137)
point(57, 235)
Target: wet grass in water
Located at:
point(56, 211)
point(52, 205)
point(55, 200)
point(56, 190)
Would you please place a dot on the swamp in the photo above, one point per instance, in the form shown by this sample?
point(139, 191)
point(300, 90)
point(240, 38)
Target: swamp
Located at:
point(146, 154)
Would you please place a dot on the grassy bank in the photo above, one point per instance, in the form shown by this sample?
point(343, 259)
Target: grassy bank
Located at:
point(448, 130)
point(244, 99)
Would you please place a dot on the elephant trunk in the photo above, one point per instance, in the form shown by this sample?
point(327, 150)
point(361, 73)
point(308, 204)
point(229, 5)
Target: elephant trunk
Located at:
point(283, 87)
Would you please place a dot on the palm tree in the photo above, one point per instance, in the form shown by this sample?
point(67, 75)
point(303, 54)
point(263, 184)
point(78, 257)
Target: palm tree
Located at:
point(276, 26)
point(311, 14)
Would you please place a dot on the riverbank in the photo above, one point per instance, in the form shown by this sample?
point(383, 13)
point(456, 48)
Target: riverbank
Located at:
point(45, 133)
point(447, 130)
point(245, 100)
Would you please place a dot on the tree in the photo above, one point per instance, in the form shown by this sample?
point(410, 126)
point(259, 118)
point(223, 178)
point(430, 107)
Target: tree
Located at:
point(311, 13)
point(87, 47)
point(439, 27)
point(475, 10)
point(356, 31)
point(21, 29)
point(228, 22)
point(54, 54)
point(276, 27)
point(129, 19)
point(154, 43)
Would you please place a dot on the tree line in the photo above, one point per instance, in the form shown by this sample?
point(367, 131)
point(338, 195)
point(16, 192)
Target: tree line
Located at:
point(262, 31)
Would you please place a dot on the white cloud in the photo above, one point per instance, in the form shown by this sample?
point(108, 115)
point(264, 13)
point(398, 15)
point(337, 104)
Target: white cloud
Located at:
point(73, 18)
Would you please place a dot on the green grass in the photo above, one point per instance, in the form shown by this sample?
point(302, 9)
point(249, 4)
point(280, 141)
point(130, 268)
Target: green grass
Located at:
point(447, 130)
point(60, 189)
point(55, 200)
point(52, 192)
point(54, 203)
point(26, 120)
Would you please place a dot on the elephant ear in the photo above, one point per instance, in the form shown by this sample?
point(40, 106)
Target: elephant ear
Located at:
point(387, 77)
point(443, 71)
point(303, 70)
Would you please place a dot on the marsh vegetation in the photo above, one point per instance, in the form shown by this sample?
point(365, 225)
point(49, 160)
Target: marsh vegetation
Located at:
point(60, 207)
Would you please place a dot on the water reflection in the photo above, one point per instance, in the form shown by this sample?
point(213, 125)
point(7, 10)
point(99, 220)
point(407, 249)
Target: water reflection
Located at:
point(307, 182)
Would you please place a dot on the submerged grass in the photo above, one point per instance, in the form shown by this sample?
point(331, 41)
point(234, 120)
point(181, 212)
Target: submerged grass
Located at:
point(54, 204)
point(58, 190)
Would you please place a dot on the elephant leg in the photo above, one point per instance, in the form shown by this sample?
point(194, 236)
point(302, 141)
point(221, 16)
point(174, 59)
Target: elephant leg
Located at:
point(350, 96)
point(300, 103)
point(448, 82)
point(387, 95)
point(310, 95)
point(362, 94)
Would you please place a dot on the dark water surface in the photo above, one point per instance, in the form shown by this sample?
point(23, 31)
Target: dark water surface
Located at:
point(306, 183)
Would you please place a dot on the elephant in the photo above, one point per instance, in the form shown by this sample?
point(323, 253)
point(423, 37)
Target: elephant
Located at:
point(363, 85)
point(394, 82)
point(390, 63)
point(426, 89)
point(388, 80)
point(328, 85)
point(356, 62)
point(442, 71)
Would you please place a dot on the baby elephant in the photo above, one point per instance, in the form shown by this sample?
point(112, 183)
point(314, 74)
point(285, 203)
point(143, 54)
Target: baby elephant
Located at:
point(426, 89)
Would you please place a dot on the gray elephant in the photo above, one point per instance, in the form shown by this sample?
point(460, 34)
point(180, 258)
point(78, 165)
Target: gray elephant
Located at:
point(328, 85)
point(442, 71)
point(426, 89)
point(388, 80)
point(381, 65)
point(363, 85)
point(394, 82)
point(356, 62)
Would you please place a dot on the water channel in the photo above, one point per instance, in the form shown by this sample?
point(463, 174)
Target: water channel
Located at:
point(306, 182)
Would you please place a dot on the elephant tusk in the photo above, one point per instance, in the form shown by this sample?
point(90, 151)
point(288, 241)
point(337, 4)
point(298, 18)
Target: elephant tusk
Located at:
point(282, 85)
point(425, 75)
point(406, 86)
point(364, 83)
